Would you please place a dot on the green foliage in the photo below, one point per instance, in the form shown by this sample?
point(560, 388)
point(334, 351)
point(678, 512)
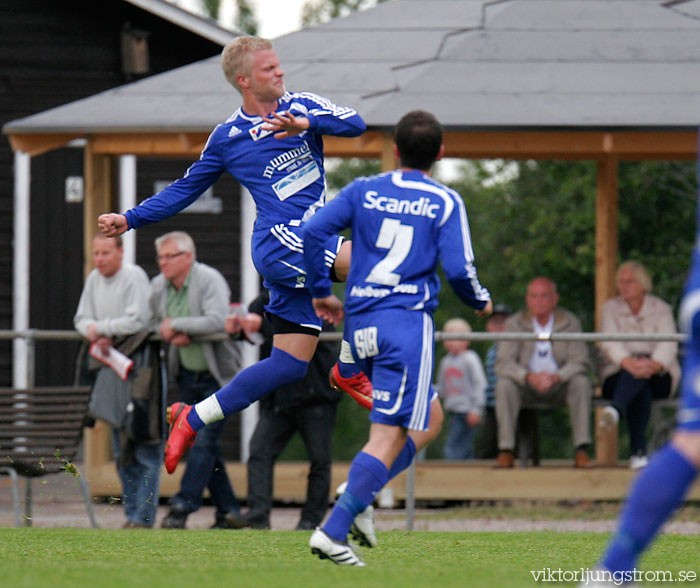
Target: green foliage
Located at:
point(340, 172)
point(82, 558)
point(245, 19)
point(211, 7)
point(542, 222)
point(658, 208)
point(318, 11)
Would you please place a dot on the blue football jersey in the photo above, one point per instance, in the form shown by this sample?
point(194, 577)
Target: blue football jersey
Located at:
point(285, 176)
point(689, 323)
point(403, 224)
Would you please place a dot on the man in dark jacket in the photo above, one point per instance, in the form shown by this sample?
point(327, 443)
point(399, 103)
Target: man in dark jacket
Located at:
point(308, 407)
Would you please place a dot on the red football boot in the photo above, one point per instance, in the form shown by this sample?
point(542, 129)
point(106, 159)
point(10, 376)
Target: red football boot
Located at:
point(181, 435)
point(358, 387)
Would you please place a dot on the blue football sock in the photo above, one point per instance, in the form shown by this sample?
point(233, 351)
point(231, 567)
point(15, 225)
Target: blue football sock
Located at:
point(655, 495)
point(404, 459)
point(366, 477)
point(195, 420)
point(253, 383)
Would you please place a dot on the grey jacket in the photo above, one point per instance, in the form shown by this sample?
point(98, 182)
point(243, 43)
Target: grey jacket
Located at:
point(514, 356)
point(208, 298)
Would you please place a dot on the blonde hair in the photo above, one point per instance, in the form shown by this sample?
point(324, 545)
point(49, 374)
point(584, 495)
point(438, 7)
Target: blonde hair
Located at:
point(457, 325)
point(183, 240)
point(236, 57)
point(640, 271)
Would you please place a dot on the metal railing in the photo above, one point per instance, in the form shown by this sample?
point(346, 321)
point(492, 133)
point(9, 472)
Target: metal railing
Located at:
point(31, 336)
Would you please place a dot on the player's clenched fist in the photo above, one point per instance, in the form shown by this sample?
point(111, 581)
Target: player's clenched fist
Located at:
point(112, 224)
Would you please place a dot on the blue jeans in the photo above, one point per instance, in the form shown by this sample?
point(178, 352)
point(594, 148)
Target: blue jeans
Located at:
point(205, 466)
point(140, 480)
point(459, 443)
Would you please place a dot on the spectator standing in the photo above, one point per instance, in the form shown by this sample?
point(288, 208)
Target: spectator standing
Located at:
point(486, 435)
point(307, 407)
point(114, 305)
point(634, 373)
point(190, 299)
point(539, 372)
point(461, 383)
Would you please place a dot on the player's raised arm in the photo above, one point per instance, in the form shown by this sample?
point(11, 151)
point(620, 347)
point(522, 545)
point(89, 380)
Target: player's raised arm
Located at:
point(457, 257)
point(326, 118)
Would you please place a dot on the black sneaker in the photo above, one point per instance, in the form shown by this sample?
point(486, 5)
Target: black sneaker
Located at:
point(174, 520)
point(304, 526)
point(239, 521)
point(231, 520)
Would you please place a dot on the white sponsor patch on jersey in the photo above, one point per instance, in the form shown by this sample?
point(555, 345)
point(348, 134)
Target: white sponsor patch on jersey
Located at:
point(257, 132)
point(297, 180)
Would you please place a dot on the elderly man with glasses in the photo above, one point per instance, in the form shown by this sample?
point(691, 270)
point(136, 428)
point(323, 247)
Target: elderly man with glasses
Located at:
point(190, 299)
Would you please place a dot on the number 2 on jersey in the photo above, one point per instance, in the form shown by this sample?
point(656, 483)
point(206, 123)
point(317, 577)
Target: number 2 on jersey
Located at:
point(397, 238)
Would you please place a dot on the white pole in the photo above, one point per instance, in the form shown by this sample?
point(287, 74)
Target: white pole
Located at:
point(127, 200)
point(250, 288)
point(20, 305)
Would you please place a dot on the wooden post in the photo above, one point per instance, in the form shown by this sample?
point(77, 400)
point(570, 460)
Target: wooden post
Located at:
point(606, 240)
point(98, 197)
point(388, 158)
point(98, 170)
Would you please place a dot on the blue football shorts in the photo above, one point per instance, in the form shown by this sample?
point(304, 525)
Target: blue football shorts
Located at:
point(394, 348)
point(278, 255)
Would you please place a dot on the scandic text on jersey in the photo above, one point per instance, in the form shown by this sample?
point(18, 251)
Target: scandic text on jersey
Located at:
point(420, 207)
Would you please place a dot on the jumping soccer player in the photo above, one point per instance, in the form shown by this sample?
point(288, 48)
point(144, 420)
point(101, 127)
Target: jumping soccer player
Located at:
point(664, 483)
point(273, 146)
point(402, 222)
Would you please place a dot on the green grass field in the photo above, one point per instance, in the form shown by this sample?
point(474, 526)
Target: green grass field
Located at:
point(75, 558)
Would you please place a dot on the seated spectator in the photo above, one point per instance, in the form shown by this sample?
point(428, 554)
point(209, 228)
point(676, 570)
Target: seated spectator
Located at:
point(536, 372)
point(461, 384)
point(634, 373)
point(486, 435)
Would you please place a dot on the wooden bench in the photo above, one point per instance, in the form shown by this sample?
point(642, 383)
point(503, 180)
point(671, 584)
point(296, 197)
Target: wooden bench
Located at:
point(663, 420)
point(40, 432)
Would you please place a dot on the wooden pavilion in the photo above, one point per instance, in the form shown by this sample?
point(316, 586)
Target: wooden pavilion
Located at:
point(600, 80)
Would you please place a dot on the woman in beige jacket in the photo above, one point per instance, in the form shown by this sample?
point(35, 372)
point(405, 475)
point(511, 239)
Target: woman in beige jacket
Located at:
point(636, 372)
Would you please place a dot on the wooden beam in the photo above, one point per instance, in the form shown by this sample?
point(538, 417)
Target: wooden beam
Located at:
point(388, 156)
point(570, 145)
point(98, 197)
point(150, 144)
point(370, 145)
point(606, 236)
point(98, 171)
point(508, 144)
point(435, 480)
point(38, 144)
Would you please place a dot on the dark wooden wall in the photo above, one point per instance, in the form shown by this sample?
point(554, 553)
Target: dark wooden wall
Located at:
point(53, 52)
point(216, 236)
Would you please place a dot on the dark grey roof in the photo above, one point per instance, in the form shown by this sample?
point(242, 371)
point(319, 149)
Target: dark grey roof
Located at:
point(475, 63)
